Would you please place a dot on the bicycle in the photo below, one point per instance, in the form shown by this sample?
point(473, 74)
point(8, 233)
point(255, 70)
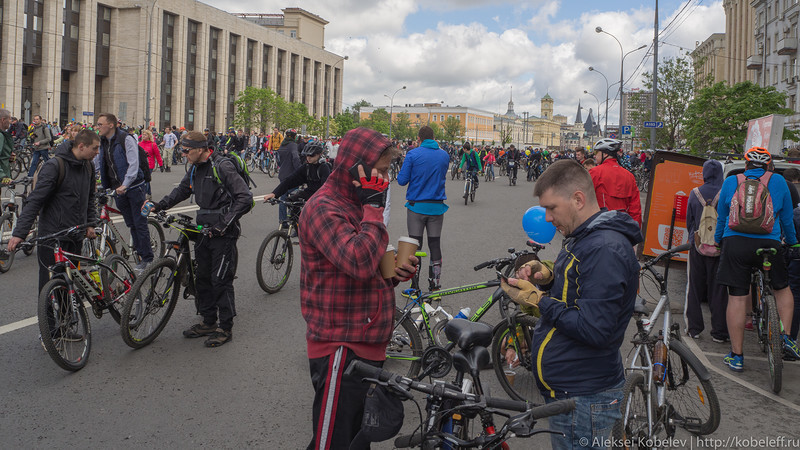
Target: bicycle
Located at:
point(406, 341)
point(666, 384)
point(110, 237)
point(451, 407)
point(152, 299)
point(8, 221)
point(470, 178)
point(394, 169)
point(511, 171)
point(63, 323)
point(489, 173)
point(275, 256)
point(455, 174)
point(766, 321)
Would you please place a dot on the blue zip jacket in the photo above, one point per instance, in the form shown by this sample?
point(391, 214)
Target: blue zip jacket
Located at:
point(583, 319)
point(425, 172)
point(781, 205)
point(124, 157)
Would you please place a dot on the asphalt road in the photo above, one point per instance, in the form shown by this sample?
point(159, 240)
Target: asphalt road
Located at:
point(255, 391)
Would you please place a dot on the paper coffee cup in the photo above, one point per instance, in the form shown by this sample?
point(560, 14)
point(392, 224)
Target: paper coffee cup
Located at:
point(510, 375)
point(406, 247)
point(387, 262)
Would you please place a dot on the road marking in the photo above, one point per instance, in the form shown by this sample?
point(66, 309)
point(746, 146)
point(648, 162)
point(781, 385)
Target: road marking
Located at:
point(727, 374)
point(17, 325)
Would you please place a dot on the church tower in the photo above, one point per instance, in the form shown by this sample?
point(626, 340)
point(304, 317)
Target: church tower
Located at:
point(547, 107)
point(510, 113)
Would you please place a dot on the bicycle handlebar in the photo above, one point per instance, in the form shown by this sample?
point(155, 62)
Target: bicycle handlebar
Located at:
point(275, 201)
point(503, 262)
point(24, 181)
point(670, 253)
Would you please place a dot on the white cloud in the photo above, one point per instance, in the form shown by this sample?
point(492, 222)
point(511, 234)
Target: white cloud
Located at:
point(468, 63)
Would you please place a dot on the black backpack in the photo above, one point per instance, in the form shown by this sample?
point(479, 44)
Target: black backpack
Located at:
point(144, 166)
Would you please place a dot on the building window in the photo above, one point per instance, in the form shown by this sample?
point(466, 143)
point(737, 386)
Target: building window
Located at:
point(232, 79)
point(265, 66)
point(213, 44)
point(293, 34)
point(191, 78)
point(279, 77)
point(69, 47)
point(32, 35)
point(251, 45)
point(167, 56)
point(293, 78)
point(103, 40)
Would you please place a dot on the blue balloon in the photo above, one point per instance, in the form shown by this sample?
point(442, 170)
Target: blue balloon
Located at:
point(536, 227)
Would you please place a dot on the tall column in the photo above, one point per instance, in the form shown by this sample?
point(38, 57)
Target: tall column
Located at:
point(258, 64)
point(11, 63)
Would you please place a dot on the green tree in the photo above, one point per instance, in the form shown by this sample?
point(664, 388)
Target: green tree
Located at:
point(505, 134)
point(357, 108)
point(676, 82)
point(452, 128)
point(255, 108)
point(378, 121)
point(342, 123)
point(438, 132)
point(402, 128)
point(716, 119)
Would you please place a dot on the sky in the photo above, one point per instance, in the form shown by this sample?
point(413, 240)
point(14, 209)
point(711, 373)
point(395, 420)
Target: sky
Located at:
point(473, 52)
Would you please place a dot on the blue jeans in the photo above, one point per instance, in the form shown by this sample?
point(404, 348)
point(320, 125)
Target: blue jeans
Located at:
point(490, 168)
point(130, 206)
point(589, 425)
point(43, 154)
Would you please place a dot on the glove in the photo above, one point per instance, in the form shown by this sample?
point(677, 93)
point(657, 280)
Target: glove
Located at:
point(372, 191)
point(538, 267)
point(793, 252)
point(5, 181)
point(217, 230)
point(524, 294)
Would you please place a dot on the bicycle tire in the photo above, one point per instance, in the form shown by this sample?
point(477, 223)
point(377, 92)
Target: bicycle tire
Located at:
point(774, 343)
point(523, 384)
point(472, 195)
point(278, 265)
point(28, 250)
point(113, 286)
point(273, 168)
point(405, 337)
point(111, 248)
point(6, 227)
point(139, 304)
point(689, 392)
point(156, 233)
point(64, 324)
point(631, 430)
point(16, 169)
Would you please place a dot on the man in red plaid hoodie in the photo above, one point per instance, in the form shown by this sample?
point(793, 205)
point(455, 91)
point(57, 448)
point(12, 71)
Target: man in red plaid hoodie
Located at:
point(348, 306)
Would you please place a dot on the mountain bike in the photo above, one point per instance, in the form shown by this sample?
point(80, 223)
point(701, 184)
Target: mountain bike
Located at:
point(766, 321)
point(489, 173)
point(455, 174)
point(111, 241)
point(152, 299)
point(451, 407)
point(394, 169)
point(511, 172)
point(470, 179)
point(666, 385)
point(8, 221)
point(275, 256)
point(103, 283)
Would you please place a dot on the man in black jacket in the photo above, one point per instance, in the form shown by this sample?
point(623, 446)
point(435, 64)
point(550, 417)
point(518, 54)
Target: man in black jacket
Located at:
point(313, 174)
point(61, 201)
point(223, 198)
point(289, 162)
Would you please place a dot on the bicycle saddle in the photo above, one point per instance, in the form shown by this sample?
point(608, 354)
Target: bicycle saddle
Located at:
point(640, 306)
point(468, 334)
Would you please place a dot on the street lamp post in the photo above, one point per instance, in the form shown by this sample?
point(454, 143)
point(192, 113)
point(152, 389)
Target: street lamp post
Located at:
point(391, 109)
point(598, 107)
point(592, 69)
point(327, 112)
point(621, 68)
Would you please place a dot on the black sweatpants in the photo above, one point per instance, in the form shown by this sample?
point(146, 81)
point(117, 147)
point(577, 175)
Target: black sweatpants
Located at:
point(338, 400)
point(703, 286)
point(216, 258)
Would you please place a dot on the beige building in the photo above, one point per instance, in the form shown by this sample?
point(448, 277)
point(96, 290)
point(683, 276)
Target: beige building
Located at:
point(742, 54)
point(477, 122)
point(73, 59)
point(710, 60)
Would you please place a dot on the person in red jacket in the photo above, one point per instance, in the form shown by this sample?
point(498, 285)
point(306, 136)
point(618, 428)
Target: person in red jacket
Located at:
point(150, 147)
point(347, 304)
point(614, 186)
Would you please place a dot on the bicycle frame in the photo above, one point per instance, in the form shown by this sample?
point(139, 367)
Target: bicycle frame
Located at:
point(74, 273)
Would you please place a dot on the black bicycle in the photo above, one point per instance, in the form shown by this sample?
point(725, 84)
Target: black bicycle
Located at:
point(766, 320)
point(149, 305)
point(276, 254)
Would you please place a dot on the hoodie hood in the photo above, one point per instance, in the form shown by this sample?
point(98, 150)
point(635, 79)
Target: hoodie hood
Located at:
point(712, 173)
point(360, 143)
point(65, 151)
point(617, 221)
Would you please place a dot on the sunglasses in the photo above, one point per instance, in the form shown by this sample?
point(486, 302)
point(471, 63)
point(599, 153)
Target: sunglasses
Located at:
point(185, 150)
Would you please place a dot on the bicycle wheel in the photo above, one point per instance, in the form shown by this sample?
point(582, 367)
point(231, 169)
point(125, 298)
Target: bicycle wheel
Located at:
point(6, 227)
point(16, 169)
point(64, 327)
point(519, 382)
point(156, 232)
point(405, 346)
point(274, 261)
point(117, 282)
point(272, 168)
point(472, 194)
point(631, 430)
point(150, 303)
point(691, 397)
point(774, 343)
point(28, 250)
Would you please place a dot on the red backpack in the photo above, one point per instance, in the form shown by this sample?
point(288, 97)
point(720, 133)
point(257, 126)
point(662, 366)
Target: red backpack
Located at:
point(751, 207)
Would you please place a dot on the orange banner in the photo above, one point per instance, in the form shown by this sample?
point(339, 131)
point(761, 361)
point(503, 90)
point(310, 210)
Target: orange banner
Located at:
point(674, 175)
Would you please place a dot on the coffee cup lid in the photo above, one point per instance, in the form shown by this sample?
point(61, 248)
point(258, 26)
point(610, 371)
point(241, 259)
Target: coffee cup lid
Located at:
point(390, 248)
point(409, 240)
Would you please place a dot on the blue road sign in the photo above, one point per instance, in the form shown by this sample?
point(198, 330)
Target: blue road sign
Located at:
point(626, 129)
point(612, 135)
point(654, 124)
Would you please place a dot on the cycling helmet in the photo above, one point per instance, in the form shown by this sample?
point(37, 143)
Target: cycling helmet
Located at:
point(312, 148)
point(610, 146)
point(758, 157)
point(291, 133)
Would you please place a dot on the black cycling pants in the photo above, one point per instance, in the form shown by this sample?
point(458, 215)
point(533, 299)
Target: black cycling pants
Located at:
point(419, 223)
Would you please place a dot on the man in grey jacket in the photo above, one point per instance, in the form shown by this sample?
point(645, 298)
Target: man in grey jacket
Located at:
point(42, 139)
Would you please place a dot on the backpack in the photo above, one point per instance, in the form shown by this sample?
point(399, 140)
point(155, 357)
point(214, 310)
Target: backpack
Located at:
point(241, 169)
point(751, 207)
point(144, 166)
point(707, 226)
point(61, 172)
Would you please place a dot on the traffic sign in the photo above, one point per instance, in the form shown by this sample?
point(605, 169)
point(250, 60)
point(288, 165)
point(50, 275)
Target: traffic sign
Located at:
point(626, 129)
point(612, 135)
point(88, 113)
point(654, 124)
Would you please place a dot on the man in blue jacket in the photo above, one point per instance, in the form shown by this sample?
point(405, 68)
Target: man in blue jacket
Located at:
point(738, 255)
point(425, 172)
point(592, 289)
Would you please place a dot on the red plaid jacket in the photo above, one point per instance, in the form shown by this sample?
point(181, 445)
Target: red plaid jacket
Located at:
point(343, 297)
